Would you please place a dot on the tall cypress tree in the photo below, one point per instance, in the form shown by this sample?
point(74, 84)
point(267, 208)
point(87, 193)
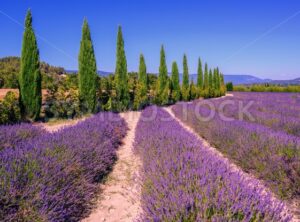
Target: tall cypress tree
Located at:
point(218, 79)
point(30, 75)
point(222, 83)
point(199, 78)
point(87, 72)
point(162, 91)
point(142, 75)
point(215, 80)
point(185, 91)
point(141, 97)
point(210, 84)
point(206, 76)
point(121, 75)
point(175, 84)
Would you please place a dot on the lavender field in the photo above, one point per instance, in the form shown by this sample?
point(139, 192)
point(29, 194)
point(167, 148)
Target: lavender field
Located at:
point(184, 181)
point(53, 176)
point(265, 143)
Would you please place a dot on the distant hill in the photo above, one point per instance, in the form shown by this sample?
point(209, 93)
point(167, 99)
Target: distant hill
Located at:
point(100, 73)
point(236, 79)
point(249, 79)
point(244, 79)
point(287, 82)
point(10, 68)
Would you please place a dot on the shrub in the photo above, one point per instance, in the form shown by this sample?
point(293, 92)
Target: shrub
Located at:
point(62, 103)
point(52, 177)
point(262, 146)
point(184, 181)
point(9, 109)
point(229, 86)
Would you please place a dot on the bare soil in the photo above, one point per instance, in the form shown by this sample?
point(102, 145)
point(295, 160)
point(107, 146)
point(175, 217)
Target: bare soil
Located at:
point(119, 198)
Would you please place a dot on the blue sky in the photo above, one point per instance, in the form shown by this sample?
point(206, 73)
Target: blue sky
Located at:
point(259, 37)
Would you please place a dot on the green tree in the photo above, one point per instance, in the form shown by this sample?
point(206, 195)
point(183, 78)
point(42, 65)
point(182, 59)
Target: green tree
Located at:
point(206, 77)
point(229, 86)
point(30, 79)
point(122, 97)
point(210, 84)
point(175, 84)
point(199, 78)
point(223, 87)
point(193, 90)
point(185, 90)
point(9, 109)
point(218, 79)
point(87, 72)
point(162, 90)
point(141, 97)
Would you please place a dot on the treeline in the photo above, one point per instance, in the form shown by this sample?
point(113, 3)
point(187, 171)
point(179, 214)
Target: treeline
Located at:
point(88, 93)
point(10, 69)
point(263, 88)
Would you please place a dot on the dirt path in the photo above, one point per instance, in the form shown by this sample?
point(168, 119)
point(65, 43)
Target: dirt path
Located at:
point(120, 197)
point(233, 167)
point(52, 127)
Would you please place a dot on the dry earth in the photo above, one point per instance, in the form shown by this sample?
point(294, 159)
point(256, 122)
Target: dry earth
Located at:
point(119, 199)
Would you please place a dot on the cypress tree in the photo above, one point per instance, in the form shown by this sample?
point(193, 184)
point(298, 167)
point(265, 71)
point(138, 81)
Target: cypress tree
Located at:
point(141, 97)
point(218, 79)
point(223, 88)
point(210, 84)
point(206, 76)
point(200, 76)
point(205, 92)
point(121, 76)
point(142, 75)
point(162, 91)
point(30, 75)
point(175, 83)
point(215, 81)
point(185, 82)
point(87, 72)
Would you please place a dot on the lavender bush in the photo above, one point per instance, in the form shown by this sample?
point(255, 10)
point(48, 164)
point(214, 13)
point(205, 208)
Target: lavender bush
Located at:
point(53, 177)
point(263, 147)
point(12, 136)
point(184, 181)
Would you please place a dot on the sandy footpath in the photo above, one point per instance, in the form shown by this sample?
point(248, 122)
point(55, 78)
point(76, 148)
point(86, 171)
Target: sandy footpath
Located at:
point(120, 196)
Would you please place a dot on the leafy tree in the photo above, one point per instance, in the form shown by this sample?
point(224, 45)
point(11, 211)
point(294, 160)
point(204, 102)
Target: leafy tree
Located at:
point(199, 77)
point(122, 100)
point(162, 90)
point(229, 86)
point(30, 76)
point(185, 90)
point(193, 90)
point(9, 109)
point(87, 73)
point(175, 84)
point(141, 96)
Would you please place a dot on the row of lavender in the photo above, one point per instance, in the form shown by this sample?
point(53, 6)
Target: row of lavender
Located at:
point(184, 181)
point(279, 111)
point(267, 145)
point(53, 176)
